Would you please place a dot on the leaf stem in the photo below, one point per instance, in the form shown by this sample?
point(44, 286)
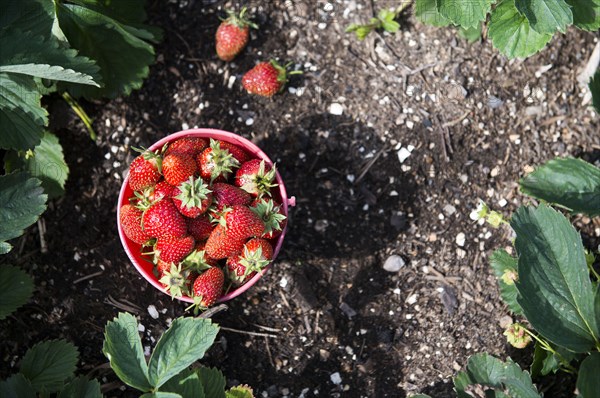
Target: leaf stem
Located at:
point(403, 6)
point(546, 346)
point(81, 113)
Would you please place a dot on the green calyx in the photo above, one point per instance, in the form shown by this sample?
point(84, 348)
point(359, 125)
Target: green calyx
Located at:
point(283, 71)
point(175, 281)
point(263, 182)
point(240, 20)
point(196, 261)
point(269, 214)
point(253, 261)
point(193, 192)
point(223, 161)
point(154, 157)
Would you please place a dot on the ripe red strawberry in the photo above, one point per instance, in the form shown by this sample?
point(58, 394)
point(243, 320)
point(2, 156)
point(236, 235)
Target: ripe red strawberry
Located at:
point(266, 79)
point(242, 223)
point(160, 191)
point(208, 287)
point(172, 249)
point(256, 177)
point(190, 146)
point(163, 218)
point(216, 163)
point(144, 171)
point(220, 245)
point(199, 227)
point(232, 35)
point(272, 215)
point(238, 153)
point(177, 168)
point(192, 197)
point(229, 195)
point(131, 222)
point(162, 267)
point(256, 254)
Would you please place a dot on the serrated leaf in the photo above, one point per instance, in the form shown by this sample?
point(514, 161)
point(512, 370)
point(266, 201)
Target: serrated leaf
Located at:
point(33, 16)
point(427, 12)
point(239, 392)
point(25, 54)
point(571, 183)
point(181, 345)
point(595, 90)
point(554, 287)
point(586, 14)
point(48, 364)
point(16, 287)
point(22, 201)
point(546, 16)
point(588, 382)
point(483, 369)
point(47, 164)
point(502, 262)
point(470, 34)
point(186, 383)
point(123, 348)
point(100, 37)
point(16, 386)
point(213, 381)
point(511, 34)
point(22, 118)
point(464, 13)
point(81, 387)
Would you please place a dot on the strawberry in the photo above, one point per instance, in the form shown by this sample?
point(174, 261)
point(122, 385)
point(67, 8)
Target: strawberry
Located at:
point(216, 162)
point(256, 177)
point(172, 249)
point(272, 215)
point(229, 195)
point(208, 287)
point(266, 79)
point(238, 153)
point(163, 218)
point(192, 197)
point(199, 227)
point(145, 170)
point(162, 267)
point(160, 191)
point(178, 167)
point(242, 223)
point(232, 35)
point(256, 255)
point(177, 281)
point(131, 221)
point(190, 146)
point(220, 245)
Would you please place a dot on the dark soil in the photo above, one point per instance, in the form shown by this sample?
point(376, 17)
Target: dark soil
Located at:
point(332, 308)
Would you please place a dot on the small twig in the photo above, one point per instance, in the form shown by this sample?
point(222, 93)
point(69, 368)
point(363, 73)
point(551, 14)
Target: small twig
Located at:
point(269, 352)
point(284, 299)
point(369, 165)
point(212, 311)
point(268, 329)
point(456, 121)
point(316, 327)
point(129, 308)
point(42, 232)
point(440, 130)
point(90, 276)
point(258, 334)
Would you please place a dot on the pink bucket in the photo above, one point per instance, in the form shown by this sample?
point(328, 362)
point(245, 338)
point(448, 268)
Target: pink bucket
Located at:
point(133, 250)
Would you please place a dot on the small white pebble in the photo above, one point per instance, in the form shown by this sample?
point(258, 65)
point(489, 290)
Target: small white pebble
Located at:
point(249, 121)
point(460, 239)
point(283, 282)
point(412, 299)
point(336, 378)
point(403, 154)
point(152, 311)
point(336, 109)
point(185, 126)
point(141, 328)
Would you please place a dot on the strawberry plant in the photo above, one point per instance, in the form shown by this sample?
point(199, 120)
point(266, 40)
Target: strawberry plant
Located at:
point(170, 371)
point(49, 368)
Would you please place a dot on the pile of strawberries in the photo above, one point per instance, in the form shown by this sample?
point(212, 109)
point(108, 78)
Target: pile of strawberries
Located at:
point(204, 214)
point(265, 79)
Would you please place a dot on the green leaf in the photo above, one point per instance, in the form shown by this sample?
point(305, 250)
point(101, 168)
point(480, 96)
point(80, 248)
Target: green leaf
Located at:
point(390, 26)
point(239, 392)
point(5, 247)
point(123, 348)
point(182, 344)
point(48, 364)
point(595, 90)
point(588, 382)
point(47, 164)
point(23, 53)
point(554, 287)
point(546, 16)
point(427, 12)
point(213, 381)
point(22, 201)
point(491, 372)
point(186, 383)
point(571, 183)
point(586, 14)
point(464, 13)
point(470, 34)
point(122, 56)
point(505, 265)
point(511, 34)
point(16, 287)
point(22, 118)
point(34, 16)
point(16, 386)
point(544, 362)
point(81, 387)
